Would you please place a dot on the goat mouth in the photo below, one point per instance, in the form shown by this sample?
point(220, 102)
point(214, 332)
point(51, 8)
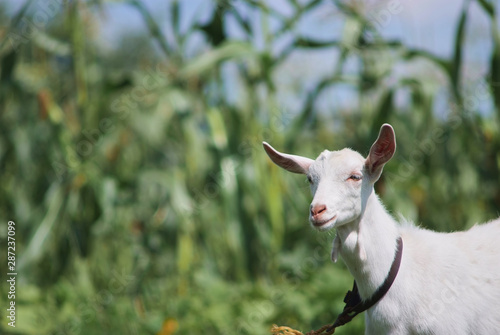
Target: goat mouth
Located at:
point(322, 223)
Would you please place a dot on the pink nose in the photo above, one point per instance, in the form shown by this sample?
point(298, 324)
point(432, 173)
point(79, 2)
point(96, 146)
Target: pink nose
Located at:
point(316, 210)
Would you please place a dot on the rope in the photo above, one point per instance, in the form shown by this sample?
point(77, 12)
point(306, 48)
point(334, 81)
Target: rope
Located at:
point(281, 330)
point(354, 304)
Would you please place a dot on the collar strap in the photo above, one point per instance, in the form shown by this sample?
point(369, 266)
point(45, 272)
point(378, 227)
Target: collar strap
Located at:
point(354, 304)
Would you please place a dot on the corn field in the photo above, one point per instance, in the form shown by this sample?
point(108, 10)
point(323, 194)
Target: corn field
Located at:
point(142, 199)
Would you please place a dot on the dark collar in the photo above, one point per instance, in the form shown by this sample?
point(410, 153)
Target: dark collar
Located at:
point(354, 304)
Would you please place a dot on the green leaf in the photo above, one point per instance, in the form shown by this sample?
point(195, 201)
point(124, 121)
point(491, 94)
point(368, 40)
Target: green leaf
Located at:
point(309, 43)
point(488, 7)
point(243, 22)
point(217, 128)
point(153, 27)
point(457, 58)
point(175, 10)
point(495, 76)
point(231, 50)
point(38, 243)
point(409, 54)
point(383, 112)
point(8, 63)
point(214, 29)
point(15, 21)
point(51, 44)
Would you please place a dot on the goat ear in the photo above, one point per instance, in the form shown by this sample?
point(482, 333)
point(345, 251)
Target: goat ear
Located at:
point(292, 163)
point(381, 151)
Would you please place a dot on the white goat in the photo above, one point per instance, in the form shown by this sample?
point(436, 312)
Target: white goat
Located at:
point(448, 283)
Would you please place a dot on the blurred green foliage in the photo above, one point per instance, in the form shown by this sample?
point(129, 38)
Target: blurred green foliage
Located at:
point(143, 201)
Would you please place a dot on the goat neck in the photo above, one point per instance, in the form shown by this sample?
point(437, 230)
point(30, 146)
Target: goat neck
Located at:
point(368, 245)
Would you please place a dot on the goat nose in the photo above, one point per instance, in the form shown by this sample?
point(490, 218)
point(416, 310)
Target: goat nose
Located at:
point(317, 209)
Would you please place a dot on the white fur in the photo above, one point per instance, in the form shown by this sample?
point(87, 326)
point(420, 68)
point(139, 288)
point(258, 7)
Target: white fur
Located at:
point(448, 283)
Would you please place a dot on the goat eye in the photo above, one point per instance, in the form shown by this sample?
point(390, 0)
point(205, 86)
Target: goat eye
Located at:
point(309, 179)
point(355, 177)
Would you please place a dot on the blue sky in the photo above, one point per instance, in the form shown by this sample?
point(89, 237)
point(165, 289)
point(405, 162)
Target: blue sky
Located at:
point(424, 24)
